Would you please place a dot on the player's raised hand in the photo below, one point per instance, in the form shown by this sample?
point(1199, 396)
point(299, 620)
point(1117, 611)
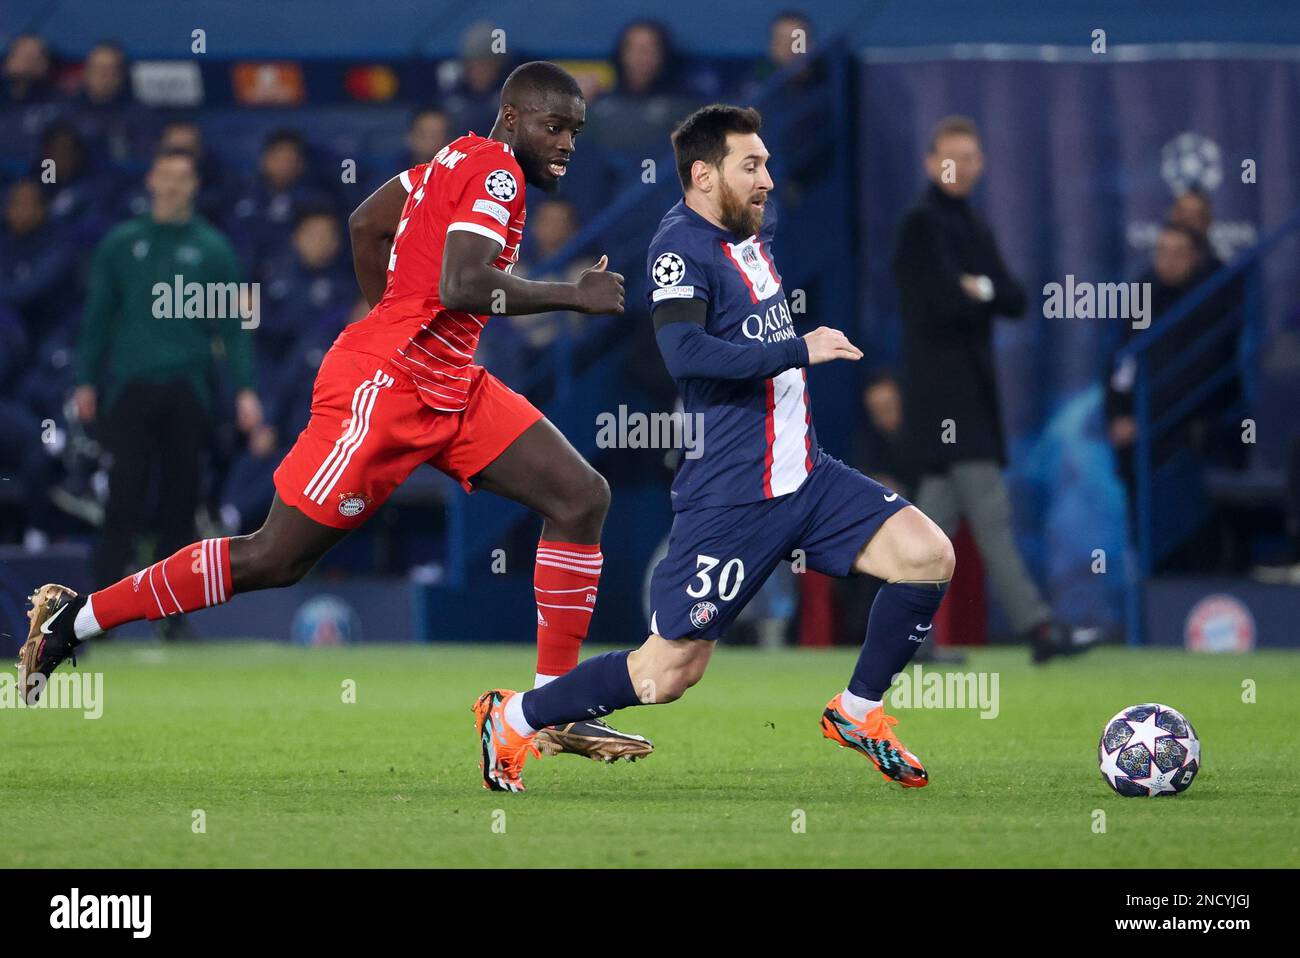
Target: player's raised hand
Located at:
point(600, 290)
point(825, 344)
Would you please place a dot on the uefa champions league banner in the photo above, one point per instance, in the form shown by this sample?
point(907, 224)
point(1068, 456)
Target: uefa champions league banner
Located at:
point(1084, 155)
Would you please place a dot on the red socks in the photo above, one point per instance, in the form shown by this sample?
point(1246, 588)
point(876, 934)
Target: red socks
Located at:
point(564, 583)
point(194, 578)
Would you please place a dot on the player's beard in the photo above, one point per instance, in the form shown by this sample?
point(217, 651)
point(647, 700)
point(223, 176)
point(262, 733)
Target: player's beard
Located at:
point(738, 214)
point(536, 174)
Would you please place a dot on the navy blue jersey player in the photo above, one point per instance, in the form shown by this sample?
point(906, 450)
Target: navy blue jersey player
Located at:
point(761, 487)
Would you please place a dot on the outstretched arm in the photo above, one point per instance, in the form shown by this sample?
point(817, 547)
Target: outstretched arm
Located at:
point(692, 353)
point(372, 227)
point(469, 282)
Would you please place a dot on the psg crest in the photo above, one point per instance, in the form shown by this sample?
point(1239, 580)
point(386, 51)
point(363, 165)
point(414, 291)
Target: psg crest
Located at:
point(702, 613)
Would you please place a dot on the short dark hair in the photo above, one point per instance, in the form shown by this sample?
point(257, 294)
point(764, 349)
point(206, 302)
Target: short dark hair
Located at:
point(311, 211)
point(703, 135)
point(1186, 232)
point(285, 135)
point(1198, 193)
point(421, 112)
point(952, 126)
point(174, 152)
point(540, 78)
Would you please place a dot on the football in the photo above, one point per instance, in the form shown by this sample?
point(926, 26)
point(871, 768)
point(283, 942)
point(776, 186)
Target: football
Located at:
point(1149, 750)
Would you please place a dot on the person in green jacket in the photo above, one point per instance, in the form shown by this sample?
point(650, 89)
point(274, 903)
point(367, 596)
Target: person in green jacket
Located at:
point(165, 299)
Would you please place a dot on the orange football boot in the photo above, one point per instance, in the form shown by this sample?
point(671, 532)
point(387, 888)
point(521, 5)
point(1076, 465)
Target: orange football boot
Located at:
point(504, 749)
point(874, 737)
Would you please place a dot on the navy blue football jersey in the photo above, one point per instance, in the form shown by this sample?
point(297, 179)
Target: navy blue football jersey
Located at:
point(758, 440)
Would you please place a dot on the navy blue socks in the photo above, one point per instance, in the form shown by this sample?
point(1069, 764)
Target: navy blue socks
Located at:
point(901, 618)
point(596, 687)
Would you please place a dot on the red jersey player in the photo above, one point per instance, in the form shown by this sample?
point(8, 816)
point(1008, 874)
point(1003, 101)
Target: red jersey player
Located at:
point(433, 251)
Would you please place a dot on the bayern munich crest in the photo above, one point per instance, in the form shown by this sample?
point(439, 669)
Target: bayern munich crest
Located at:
point(350, 506)
point(668, 269)
point(501, 185)
point(702, 613)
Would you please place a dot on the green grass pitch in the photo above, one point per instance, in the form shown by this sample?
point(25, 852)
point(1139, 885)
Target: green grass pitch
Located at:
point(258, 737)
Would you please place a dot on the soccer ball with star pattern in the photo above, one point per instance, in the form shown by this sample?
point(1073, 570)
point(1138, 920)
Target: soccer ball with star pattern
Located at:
point(1149, 750)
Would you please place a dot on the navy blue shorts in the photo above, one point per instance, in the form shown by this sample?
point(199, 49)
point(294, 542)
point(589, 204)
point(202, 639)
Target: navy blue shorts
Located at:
point(720, 556)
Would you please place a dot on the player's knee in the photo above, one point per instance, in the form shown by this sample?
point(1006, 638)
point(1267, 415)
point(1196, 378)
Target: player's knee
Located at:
point(928, 557)
point(585, 505)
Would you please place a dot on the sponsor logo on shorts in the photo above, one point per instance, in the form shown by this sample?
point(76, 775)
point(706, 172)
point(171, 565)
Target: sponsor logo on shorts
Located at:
point(702, 613)
point(351, 505)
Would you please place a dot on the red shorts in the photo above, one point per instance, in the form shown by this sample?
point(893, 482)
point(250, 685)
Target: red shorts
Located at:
point(370, 429)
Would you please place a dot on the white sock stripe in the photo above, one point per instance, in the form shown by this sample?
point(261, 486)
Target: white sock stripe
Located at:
point(163, 568)
point(585, 563)
point(155, 591)
point(353, 426)
point(221, 573)
point(585, 588)
point(562, 554)
point(368, 405)
point(547, 563)
point(203, 569)
point(580, 608)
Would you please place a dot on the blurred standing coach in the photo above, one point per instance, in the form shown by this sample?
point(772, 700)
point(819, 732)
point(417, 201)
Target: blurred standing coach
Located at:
point(952, 282)
point(156, 375)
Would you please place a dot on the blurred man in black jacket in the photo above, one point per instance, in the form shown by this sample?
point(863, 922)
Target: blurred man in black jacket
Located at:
point(952, 283)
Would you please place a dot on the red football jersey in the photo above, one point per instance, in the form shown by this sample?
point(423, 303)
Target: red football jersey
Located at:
point(473, 184)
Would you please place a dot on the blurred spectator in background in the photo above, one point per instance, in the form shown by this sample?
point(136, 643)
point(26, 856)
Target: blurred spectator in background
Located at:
point(471, 86)
point(551, 225)
point(1180, 263)
point(27, 101)
point(878, 447)
point(265, 211)
point(155, 374)
point(952, 282)
point(112, 125)
point(793, 114)
point(81, 197)
point(429, 132)
point(789, 44)
point(636, 117)
point(215, 189)
point(35, 265)
point(311, 280)
point(1192, 210)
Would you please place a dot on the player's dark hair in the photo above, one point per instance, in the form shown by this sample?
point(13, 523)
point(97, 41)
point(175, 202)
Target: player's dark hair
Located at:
point(538, 80)
point(952, 126)
point(703, 135)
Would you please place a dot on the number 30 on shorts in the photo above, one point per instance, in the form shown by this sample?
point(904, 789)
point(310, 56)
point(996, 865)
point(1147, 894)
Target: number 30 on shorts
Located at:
point(729, 579)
